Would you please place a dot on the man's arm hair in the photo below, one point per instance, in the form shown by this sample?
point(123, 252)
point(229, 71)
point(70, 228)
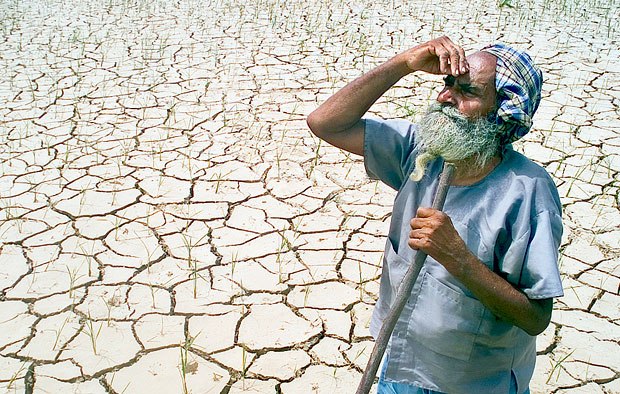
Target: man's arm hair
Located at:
point(338, 120)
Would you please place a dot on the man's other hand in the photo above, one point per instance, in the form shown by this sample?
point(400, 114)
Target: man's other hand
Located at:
point(432, 232)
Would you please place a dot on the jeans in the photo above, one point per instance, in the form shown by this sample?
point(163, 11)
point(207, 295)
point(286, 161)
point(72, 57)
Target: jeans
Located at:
point(385, 387)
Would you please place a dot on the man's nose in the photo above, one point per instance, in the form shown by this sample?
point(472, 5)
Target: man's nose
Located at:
point(446, 96)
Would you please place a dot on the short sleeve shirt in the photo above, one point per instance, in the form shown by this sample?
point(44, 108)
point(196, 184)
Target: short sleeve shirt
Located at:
point(446, 340)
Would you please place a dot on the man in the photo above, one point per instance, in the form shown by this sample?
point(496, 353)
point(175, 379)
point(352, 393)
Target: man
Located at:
point(487, 287)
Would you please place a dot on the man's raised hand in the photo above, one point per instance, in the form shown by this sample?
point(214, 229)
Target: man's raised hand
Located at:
point(438, 56)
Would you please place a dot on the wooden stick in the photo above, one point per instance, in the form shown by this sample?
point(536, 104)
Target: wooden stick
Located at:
point(403, 292)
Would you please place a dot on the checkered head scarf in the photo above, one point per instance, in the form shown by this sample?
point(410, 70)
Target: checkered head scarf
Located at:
point(518, 83)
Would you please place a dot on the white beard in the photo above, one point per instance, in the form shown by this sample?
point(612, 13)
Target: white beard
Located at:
point(445, 132)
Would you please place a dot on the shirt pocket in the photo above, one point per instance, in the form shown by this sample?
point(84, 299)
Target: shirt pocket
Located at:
point(445, 320)
point(397, 267)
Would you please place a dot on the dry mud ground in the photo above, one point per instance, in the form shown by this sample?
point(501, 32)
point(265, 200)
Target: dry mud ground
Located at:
point(169, 225)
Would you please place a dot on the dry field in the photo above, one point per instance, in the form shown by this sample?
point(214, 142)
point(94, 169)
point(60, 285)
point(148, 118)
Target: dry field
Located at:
point(169, 225)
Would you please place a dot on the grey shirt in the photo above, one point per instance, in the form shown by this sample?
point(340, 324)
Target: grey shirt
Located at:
point(446, 340)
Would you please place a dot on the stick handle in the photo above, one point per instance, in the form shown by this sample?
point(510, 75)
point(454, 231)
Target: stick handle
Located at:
point(403, 292)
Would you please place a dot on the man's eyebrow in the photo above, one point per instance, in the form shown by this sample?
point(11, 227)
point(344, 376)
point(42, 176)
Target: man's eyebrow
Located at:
point(466, 86)
point(469, 87)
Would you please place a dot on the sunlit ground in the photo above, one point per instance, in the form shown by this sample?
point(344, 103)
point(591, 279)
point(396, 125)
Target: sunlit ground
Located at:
point(168, 224)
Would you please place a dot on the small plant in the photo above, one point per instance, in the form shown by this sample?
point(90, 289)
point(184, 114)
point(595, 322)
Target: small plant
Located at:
point(306, 295)
point(89, 256)
point(149, 253)
point(59, 332)
point(117, 224)
point(361, 279)
point(186, 367)
point(244, 359)
point(16, 375)
point(112, 383)
point(233, 263)
point(192, 263)
point(557, 366)
point(359, 353)
point(109, 304)
point(315, 161)
point(343, 225)
point(279, 262)
point(93, 333)
point(278, 157)
point(219, 178)
point(152, 291)
point(190, 245)
point(73, 277)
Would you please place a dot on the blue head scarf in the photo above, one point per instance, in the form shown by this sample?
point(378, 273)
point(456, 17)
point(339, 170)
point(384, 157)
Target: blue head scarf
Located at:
point(518, 83)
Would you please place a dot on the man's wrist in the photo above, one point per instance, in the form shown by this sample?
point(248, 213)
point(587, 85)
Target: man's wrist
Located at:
point(401, 65)
point(468, 267)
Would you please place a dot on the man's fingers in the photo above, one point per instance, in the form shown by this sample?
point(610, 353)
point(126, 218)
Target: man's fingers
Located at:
point(440, 51)
point(438, 56)
point(455, 62)
point(444, 64)
point(423, 219)
point(416, 223)
point(427, 218)
point(463, 66)
point(444, 55)
point(418, 239)
point(457, 58)
point(424, 212)
point(452, 59)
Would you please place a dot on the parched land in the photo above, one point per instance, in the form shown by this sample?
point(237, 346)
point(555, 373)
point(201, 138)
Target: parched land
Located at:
point(168, 224)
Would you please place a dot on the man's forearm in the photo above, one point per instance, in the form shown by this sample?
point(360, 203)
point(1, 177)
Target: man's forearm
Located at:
point(504, 300)
point(346, 107)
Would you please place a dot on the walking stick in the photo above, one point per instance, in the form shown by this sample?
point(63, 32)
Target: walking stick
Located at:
point(403, 292)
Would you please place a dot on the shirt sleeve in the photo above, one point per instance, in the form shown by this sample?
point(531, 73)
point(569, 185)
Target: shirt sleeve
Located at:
point(387, 150)
point(531, 260)
point(530, 218)
point(540, 277)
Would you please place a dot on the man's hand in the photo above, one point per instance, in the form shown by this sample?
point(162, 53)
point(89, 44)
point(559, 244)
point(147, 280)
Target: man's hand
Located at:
point(438, 56)
point(432, 231)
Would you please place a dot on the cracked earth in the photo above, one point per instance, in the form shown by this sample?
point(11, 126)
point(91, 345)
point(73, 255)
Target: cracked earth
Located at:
point(168, 224)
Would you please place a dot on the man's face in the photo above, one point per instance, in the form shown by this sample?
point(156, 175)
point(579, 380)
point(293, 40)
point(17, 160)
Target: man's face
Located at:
point(456, 127)
point(473, 94)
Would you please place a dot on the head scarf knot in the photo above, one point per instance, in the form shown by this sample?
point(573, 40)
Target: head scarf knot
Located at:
point(518, 83)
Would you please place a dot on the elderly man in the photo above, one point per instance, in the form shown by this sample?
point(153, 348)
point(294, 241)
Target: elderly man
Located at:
point(487, 287)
